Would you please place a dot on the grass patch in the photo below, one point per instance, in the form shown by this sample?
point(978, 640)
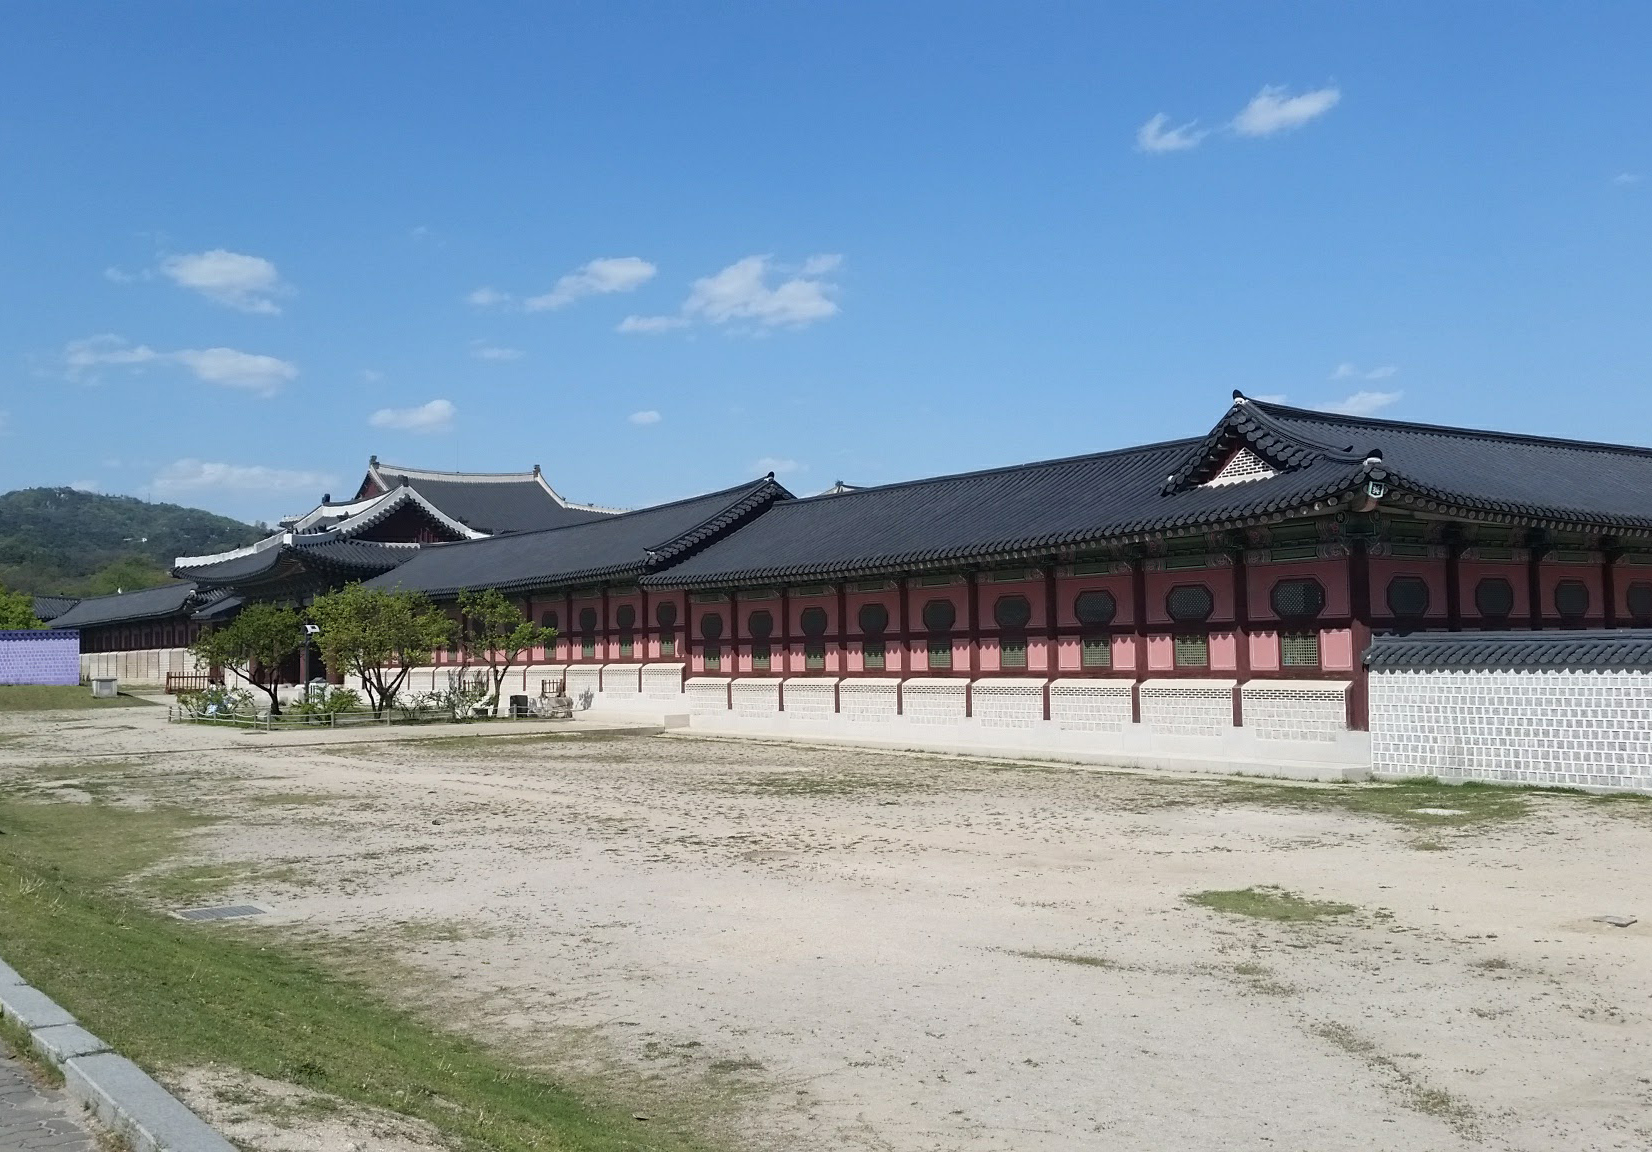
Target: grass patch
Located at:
point(55, 698)
point(1078, 958)
point(171, 994)
point(1468, 806)
point(1259, 978)
point(804, 783)
point(16, 1038)
point(1269, 903)
point(1413, 1092)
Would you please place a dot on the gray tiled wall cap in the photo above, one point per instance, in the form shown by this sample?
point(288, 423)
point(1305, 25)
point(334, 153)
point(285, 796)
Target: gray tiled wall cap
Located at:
point(31, 1008)
point(8, 975)
point(66, 1041)
point(132, 1104)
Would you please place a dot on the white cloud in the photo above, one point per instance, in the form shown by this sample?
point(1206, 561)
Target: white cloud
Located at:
point(191, 475)
point(487, 297)
point(648, 417)
point(226, 367)
point(234, 279)
point(1272, 110)
point(1347, 371)
point(1623, 179)
point(371, 375)
point(1271, 398)
point(436, 416)
point(1157, 136)
point(1362, 403)
point(650, 324)
point(778, 465)
point(494, 352)
point(742, 292)
point(118, 275)
point(598, 278)
point(84, 485)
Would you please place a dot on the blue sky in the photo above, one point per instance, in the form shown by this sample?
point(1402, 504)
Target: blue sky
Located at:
point(659, 249)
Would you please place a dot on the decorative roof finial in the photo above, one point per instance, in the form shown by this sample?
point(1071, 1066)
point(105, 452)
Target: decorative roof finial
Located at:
point(1238, 396)
point(536, 469)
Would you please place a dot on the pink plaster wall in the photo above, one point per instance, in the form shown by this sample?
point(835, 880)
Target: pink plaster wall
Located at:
point(1331, 574)
point(1068, 588)
point(1336, 650)
point(1550, 574)
point(1264, 652)
point(1218, 580)
point(1224, 652)
point(1125, 653)
point(1161, 654)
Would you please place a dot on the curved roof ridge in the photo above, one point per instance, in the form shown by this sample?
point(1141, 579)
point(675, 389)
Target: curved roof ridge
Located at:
point(1285, 410)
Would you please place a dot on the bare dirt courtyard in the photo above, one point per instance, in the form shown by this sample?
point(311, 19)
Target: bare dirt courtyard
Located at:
point(842, 949)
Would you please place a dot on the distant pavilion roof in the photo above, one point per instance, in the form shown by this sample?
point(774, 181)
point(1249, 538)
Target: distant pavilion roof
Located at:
point(487, 502)
point(128, 607)
point(48, 608)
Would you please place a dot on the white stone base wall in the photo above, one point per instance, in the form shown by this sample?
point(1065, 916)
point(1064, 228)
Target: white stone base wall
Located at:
point(143, 668)
point(1590, 729)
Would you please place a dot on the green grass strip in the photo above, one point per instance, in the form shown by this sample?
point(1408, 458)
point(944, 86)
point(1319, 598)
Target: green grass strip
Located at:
point(171, 994)
point(1269, 903)
point(58, 698)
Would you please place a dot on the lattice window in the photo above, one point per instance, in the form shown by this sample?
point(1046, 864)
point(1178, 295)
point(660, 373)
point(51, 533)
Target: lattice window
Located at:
point(1408, 596)
point(1096, 652)
point(711, 626)
point(814, 656)
point(1012, 612)
point(873, 619)
point(547, 619)
point(872, 653)
point(627, 645)
point(714, 657)
point(1095, 608)
point(665, 613)
point(1242, 466)
point(1571, 599)
point(1494, 598)
point(668, 645)
point(588, 647)
point(761, 657)
point(1192, 651)
point(1639, 597)
point(813, 621)
point(1012, 652)
point(1189, 603)
point(1297, 599)
point(940, 652)
point(1299, 649)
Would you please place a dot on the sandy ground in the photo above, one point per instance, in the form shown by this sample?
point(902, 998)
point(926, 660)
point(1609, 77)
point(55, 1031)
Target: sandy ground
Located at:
point(859, 950)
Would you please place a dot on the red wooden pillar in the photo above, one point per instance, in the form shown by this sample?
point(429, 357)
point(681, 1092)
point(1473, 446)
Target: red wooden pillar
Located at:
point(1241, 634)
point(1359, 602)
point(1138, 609)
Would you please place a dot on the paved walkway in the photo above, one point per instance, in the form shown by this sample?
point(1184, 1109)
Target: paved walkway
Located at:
point(36, 1119)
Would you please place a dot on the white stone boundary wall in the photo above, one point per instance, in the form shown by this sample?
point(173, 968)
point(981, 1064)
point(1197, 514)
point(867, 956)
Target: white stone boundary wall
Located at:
point(1288, 710)
point(1574, 727)
point(139, 668)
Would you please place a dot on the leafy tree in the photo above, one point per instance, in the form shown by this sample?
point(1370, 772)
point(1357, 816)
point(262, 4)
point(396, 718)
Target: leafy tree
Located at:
point(17, 611)
point(378, 636)
point(499, 631)
point(254, 646)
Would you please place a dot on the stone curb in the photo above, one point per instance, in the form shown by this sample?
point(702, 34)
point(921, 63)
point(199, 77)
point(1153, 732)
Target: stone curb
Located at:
point(116, 1090)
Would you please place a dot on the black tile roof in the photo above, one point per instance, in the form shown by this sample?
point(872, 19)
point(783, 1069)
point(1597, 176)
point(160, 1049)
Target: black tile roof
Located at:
point(494, 506)
point(351, 558)
point(1490, 651)
point(148, 604)
point(51, 607)
point(611, 547)
point(1112, 497)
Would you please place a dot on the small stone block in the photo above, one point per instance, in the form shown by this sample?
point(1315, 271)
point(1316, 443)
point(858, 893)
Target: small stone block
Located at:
point(1616, 921)
point(63, 1042)
point(128, 1101)
point(31, 1008)
point(9, 976)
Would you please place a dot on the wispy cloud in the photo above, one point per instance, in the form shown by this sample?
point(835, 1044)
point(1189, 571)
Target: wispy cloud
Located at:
point(1157, 135)
point(233, 279)
point(1624, 179)
point(226, 367)
point(1346, 371)
point(1362, 403)
point(1272, 398)
point(598, 278)
point(1274, 110)
point(191, 475)
point(436, 416)
point(757, 292)
point(646, 417)
point(777, 464)
point(485, 351)
point(487, 297)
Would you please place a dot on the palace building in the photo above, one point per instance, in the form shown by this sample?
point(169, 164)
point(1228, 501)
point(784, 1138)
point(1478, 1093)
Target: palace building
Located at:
point(1200, 601)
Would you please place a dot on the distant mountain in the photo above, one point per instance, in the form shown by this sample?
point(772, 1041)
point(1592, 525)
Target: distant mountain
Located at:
point(57, 541)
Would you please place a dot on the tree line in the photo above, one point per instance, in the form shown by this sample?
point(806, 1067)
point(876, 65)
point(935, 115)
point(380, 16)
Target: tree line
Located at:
point(377, 635)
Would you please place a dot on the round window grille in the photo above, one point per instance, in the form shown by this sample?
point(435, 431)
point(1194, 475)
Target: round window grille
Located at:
point(587, 619)
point(874, 618)
point(547, 619)
point(1297, 599)
point(939, 615)
point(1639, 595)
point(1095, 608)
point(1189, 603)
point(1571, 599)
point(711, 626)
point(1408, 596)
point(1012, 611)
point(760, 624)
point(813, 621)
point(665, 613)
point(625, 616)
point(1494, 598)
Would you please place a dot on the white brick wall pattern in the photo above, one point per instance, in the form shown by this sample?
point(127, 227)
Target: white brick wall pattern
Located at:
point(933, 700)
point(1314, 710)
point(620, 681)
point(662, 681)
point(756, 698)
point(1007, 703)
point(1090, 705)
point(810, 698)
point(867, 698)
point(1187, 707)
point(707, 696)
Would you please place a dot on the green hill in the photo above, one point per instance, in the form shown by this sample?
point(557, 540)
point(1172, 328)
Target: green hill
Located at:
point(57, 541)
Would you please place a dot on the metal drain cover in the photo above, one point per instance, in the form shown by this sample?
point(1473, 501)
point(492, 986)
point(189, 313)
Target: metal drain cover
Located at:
point(227, 912)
